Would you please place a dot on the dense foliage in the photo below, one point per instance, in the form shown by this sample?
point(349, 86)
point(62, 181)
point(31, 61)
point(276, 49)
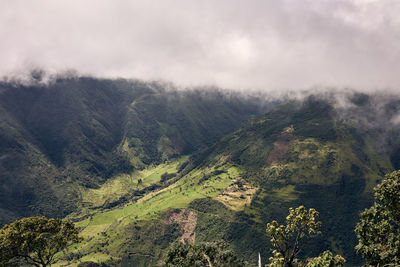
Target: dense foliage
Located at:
point(379, 228)
point(301, 153)
point(35, 240)
point(300, 224)
point(326, 259)
point(286, 239)
point(215, 254)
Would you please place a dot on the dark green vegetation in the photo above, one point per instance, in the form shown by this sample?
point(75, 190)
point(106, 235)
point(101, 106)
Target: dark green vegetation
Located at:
point(203, 254)
point(300, 223)
point(111, 152)
point(78, 132)
point(303, 153)
point(300, 153)
point(378, 231)
point(286, 239)
point(35, 241)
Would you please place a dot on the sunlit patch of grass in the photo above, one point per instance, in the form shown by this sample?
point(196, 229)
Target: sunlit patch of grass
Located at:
point(134, 148)
point(93, 229)
point(237, 200)
point(313, 162)
point(96, 257)
point(93, 257)
point(123, 184)
point(109, 226)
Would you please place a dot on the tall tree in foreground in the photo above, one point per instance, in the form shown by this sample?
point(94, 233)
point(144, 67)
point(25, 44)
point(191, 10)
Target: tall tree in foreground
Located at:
point(378, 231)
point(300, 224)
point(35, 240)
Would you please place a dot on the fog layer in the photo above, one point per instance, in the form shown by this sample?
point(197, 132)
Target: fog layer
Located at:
point(265, 44)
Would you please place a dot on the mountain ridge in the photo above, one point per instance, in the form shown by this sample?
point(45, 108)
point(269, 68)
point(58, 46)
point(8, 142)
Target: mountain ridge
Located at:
point(79, 132)
point(138, 166)
point(234, 187)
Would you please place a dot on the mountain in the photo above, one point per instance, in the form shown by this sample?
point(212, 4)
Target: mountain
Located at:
point(139, 165)
point(313, 152)
point(306, 154)
point(72, 133)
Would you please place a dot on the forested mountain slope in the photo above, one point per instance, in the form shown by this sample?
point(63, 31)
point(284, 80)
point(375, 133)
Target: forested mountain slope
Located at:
point(313, 152)
point(140, 165)
point(308, 154)
point(77, 132)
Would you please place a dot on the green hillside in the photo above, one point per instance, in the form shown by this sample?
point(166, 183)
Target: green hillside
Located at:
point(76, 133)
point(300, 153)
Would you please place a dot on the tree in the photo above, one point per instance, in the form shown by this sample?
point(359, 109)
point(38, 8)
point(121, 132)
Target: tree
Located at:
point(35, 240)
point(378, 231)
point(300, 224)
point(326, 259)
point(215, 254)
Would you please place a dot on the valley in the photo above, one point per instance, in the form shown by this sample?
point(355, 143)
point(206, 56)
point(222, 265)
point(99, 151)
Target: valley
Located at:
point(192, 133)
point(138, 167)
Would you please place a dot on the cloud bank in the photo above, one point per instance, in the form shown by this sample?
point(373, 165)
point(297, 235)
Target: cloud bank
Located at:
point(263, 44)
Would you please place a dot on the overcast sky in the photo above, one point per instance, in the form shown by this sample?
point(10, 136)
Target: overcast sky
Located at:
point(266, 44)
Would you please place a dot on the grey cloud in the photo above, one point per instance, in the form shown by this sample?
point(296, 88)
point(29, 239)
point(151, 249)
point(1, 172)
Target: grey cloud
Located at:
point(268, 44)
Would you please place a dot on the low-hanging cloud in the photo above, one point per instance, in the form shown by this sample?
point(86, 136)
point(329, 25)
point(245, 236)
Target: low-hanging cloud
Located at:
point(265, 44)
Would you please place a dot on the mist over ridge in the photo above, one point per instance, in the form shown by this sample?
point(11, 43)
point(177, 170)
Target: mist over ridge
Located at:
point(152, 122)
point(372, 110)
point(266, 45)
point(66, 138)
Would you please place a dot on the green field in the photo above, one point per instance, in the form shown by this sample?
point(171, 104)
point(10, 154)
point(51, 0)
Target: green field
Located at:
point(108, 226)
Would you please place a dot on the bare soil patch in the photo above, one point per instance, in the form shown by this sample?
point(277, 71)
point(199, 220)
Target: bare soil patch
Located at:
point(187, 220)
point(281, 147)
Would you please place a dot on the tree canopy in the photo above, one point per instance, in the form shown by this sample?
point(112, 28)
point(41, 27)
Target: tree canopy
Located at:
point(300, 224)
point(212, 254)
point(378, 231)
point(35, 240)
